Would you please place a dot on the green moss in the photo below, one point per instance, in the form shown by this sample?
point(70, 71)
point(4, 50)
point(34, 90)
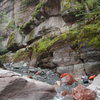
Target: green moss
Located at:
point(46, 42)
point(3, 58)
point(93, 17)
point(22, 55)
point(37, 10)
point(95, 41)
point(90, 30)
point(92, 3)
point(88, 34)
point(71, 4)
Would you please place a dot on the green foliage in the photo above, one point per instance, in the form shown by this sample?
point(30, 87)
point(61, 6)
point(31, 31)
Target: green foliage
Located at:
point(71, 5)
point(93, 17)
point(92, 3)
point(95, 41)
point(42, 45)
point(79, 7)
point(90, 33)
point(86, 34)
point(46, 42)
point(37, 10)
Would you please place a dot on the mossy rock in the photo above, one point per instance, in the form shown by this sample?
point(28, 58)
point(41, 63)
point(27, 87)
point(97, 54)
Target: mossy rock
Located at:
point(12, 41)
point(26, 28)
point(78, 37)
point(4, 59)
point(70, 5)
point(23, 54)
point(46, 42)
point(37, 10)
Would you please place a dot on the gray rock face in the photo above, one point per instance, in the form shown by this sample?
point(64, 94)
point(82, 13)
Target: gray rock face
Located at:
point(68, 60)
point(15, 87)
point(21, 11)
point(6, 12)
point(53, 26)
point(13, 13)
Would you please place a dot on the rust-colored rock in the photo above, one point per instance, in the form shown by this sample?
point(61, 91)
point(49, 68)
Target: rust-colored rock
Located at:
point(68, 79)
point(30, 77)
point(64, 93)
point(83, 93)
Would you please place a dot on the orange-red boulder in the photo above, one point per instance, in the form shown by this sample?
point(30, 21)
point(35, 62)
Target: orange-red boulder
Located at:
point(68, 79)
point(83, 93)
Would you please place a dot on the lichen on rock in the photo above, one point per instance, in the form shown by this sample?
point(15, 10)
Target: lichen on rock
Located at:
point(23, 54)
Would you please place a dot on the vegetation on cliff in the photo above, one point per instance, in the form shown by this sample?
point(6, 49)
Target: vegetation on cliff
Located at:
point(87, 30)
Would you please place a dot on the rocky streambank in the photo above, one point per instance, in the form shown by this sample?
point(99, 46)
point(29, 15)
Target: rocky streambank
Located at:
point(23, 68)
point(66, 88)
point(14, 86)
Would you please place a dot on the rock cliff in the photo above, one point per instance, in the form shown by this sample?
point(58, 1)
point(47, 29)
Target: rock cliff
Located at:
point(57, 34)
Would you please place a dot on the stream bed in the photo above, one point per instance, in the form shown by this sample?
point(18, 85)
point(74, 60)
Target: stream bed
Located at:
point(44, 75)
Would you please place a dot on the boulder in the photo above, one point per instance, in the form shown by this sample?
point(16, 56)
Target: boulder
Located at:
point(53, 25)
point(68, 79)
point(95, 86)
point(83, 93)
point(13, 86)
point(52, 7)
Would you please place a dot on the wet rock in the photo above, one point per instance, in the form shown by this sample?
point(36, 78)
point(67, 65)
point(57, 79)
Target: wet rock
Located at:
point(15, 87)
point(64, 93)
point(44, 75)
point(32, 70)
point(68, 79)
point(95, 86)
point(60, 97)
point(83, 93)
point(40, 73)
